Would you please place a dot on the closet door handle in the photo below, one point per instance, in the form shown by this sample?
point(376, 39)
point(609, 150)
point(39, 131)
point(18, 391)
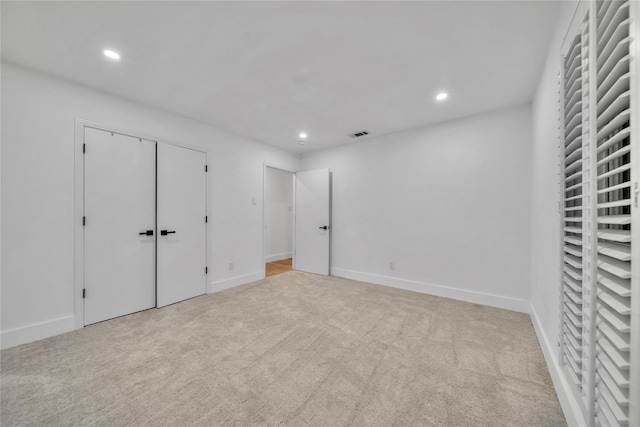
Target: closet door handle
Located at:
point(147, 233)
point(324, 227)
point(165, 232)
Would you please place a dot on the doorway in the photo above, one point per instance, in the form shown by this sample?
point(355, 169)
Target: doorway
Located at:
point(296, 215)
point(278, 220)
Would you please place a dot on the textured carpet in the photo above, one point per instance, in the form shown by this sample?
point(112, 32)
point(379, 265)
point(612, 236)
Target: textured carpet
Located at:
point(295, 349)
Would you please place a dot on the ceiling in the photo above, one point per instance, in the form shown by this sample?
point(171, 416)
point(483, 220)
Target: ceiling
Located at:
point(270, 70)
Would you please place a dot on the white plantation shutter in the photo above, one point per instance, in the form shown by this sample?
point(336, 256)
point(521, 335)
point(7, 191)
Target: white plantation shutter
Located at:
point(614, 194)
point(599, 189)
point(572, 221)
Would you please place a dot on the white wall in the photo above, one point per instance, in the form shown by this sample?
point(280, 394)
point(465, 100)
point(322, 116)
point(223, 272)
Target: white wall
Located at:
point(38, 115)
point(278, 214)
point(545, 218)
point(449, 204)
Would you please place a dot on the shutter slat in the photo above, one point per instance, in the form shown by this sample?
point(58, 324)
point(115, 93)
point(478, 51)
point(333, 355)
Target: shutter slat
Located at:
point(577, 131)
point(619, 105)
point(573, 261)
point(615, 155)
point(573, 219)
point(614, 250)
point(574, 112)
point(620, 68)
point(619, 359)
point(613, 94)
point(616, 267)
point(573, 240)
point(573, 166)
point(577, 142)
point(622, 134)
point(576, 274)
point(622, 236)
point(615, 219)
point(616, 204)
point(621, 186)
point(617, 122)
point(573, 156)
point(610, 316)
point(573, 122)
point(614, 337)
point(610, 22)
point(618, 54)
point(614, 284)
point(572, 250)
point(618, 414)
point(569, 199)
point(619, 35)
point(605, 364)
point(577, 300)
point(573, 187)
point(609, 382)
point(575, 310)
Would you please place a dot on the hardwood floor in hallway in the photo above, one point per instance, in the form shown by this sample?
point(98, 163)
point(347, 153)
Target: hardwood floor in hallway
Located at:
point(279, 267)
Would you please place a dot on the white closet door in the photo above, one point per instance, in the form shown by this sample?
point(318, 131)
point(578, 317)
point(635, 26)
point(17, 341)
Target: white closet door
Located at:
point(312, 222)
point(119, 174)
point(182, 230)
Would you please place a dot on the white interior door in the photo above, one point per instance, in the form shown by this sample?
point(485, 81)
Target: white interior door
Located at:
point(312, 222)
point(119, 174)
point(182, 232)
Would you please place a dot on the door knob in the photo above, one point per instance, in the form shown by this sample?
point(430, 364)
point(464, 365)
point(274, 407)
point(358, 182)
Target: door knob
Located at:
point(324, 227)
point(147, 233)
point(165, 232)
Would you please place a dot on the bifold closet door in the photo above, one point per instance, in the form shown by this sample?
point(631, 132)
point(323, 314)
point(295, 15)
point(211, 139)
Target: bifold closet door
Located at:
point(119, 246)
point(182, 244)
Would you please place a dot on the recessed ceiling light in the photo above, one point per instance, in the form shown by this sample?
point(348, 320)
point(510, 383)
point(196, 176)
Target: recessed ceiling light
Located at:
point(301, 142)
point(303, 135)
point(111, 54)
point(441, 96)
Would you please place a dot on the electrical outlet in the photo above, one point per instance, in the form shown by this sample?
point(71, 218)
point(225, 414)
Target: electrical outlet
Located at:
point(392, 265)
point(230, 266)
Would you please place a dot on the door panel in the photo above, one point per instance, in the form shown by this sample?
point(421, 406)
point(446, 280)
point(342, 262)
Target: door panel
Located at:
point(181, 209)
point(119, 199)
point(313, 209)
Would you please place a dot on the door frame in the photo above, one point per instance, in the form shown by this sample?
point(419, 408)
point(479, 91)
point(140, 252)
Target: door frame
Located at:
point(78, 202)
point(264, 214)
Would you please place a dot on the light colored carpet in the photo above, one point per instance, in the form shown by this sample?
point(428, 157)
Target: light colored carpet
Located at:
point(295, 349)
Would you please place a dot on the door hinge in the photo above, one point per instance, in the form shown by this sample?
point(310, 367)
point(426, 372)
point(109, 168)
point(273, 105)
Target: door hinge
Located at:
point(206, 168)
point(206, 218)
point(84, 293)
point(206, 270)
point(84, 221)
point(84, 148)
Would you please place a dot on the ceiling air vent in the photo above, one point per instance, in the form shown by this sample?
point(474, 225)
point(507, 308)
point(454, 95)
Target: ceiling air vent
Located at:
point(359, 134)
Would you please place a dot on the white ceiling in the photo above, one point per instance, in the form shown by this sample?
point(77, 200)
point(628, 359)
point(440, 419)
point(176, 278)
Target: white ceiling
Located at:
point(269, 70)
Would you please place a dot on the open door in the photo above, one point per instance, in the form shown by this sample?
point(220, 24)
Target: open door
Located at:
point(312, 221)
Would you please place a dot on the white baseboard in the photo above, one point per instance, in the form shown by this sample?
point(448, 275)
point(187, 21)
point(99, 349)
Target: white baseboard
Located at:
point(570, 407)
point(221, 285)
point(437, 290)
point(37, 331)
point(278, 257)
